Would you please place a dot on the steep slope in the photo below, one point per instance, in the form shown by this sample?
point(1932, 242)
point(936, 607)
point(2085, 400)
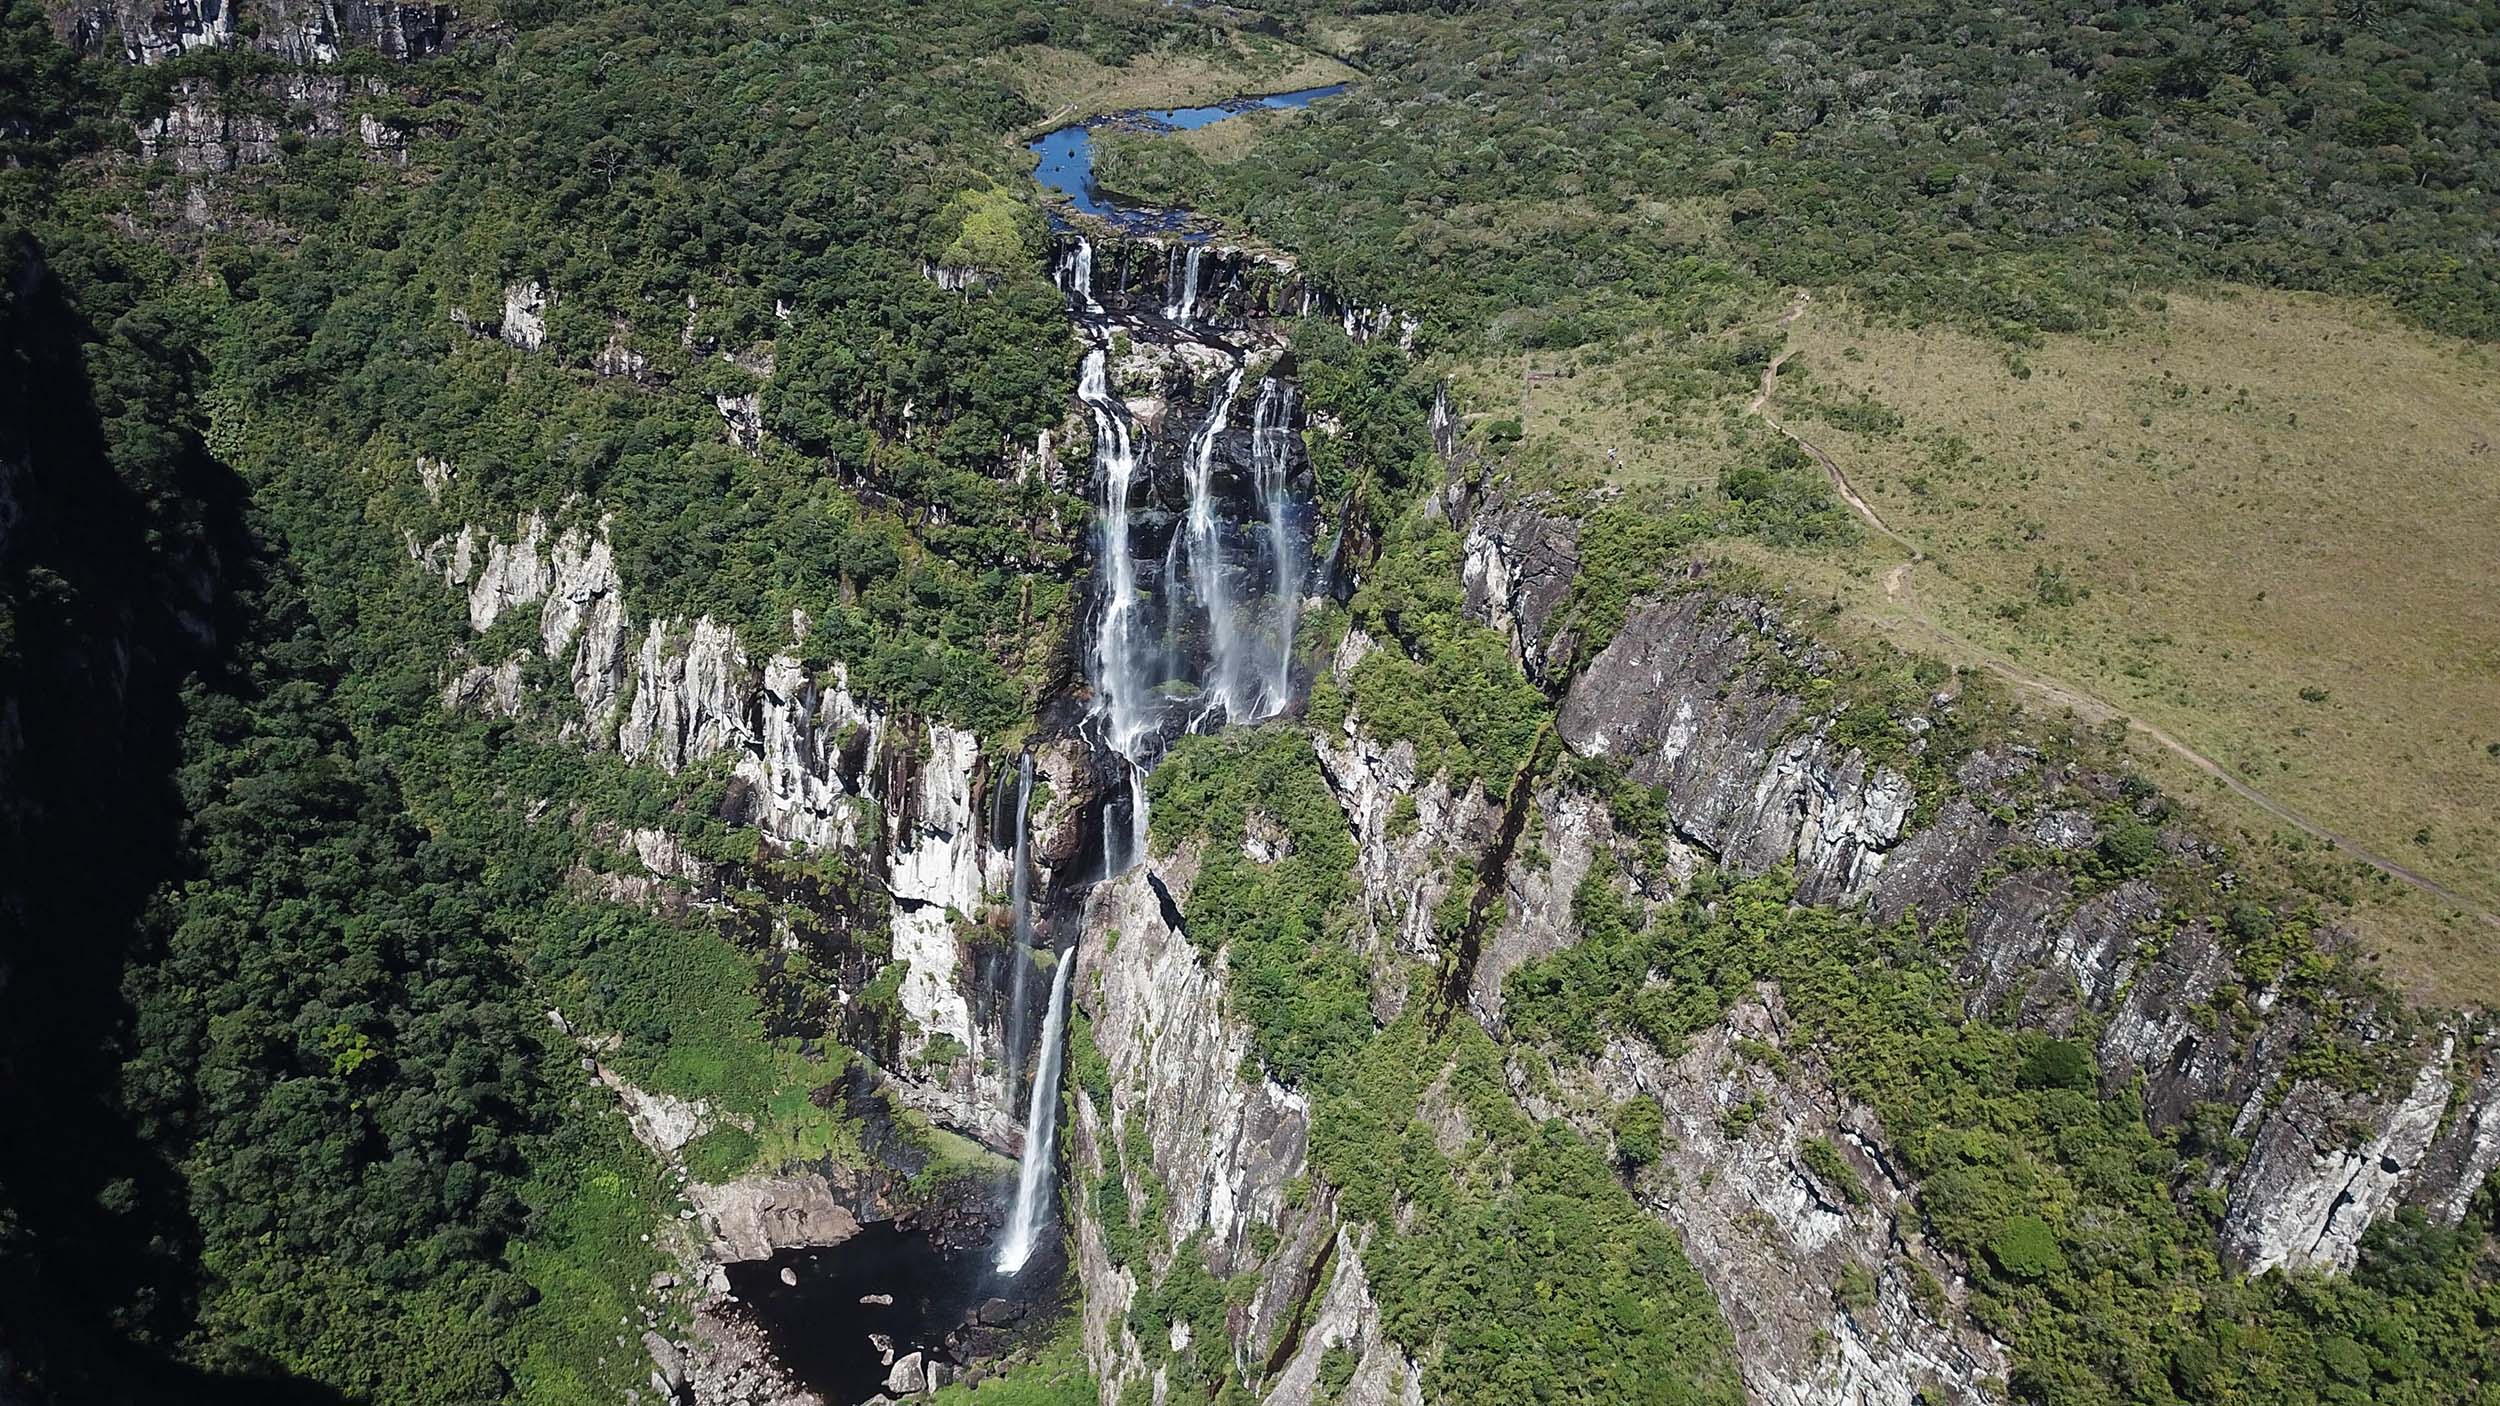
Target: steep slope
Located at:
point(715, 630)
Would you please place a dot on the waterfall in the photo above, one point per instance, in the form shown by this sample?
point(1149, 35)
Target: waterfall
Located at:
point(1198, 622)
point(1206, 558)
point(1041, 1127)
point(1271, 459)
point(1081, 275)
point(1020, 898)
point(1120, 708)
point(1184, 309)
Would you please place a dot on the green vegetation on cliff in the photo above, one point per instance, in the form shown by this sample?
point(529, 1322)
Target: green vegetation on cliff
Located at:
point(281, 933)
point(2089, 1237)
point(1505, 1252)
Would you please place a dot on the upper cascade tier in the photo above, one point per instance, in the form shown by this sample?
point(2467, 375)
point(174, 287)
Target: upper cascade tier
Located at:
point(1204, 289)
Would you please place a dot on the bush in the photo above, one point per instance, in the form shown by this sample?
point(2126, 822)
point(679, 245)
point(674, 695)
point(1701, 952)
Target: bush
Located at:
point(1833, 1170)
point(1640, 1127)
point(2251, 922)
point(1855, 1289)
point(2057, 1064)
point(2023, 1247)
point(2130, 846)
point(721, 1154)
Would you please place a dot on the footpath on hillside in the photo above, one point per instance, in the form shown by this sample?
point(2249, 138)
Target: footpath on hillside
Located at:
point(1898, 590)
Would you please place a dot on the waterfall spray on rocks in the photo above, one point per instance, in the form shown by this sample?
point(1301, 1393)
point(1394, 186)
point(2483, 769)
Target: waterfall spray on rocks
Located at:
point(1081, 275)
point(1225, 640)
point(1183, 309)
point(1121, 715)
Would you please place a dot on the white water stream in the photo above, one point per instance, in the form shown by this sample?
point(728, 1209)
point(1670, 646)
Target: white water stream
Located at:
point(1041, 1124)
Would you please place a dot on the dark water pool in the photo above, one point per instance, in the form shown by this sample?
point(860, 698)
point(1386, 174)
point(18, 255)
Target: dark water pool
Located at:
point(820, 1327)
point(1067, 154)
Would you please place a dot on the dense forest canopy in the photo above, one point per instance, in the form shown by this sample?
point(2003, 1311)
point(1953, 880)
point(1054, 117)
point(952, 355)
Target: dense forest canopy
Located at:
point(1538, 174)
point(331, 1152)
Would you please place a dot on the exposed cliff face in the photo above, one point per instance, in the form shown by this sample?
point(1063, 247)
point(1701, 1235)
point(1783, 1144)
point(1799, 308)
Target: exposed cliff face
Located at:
point(1403, 823)
point(1520, 565)
point(810, 765)
point(1685, 697)
point(1831, 1290)
point(1834, 1297)
point(1750, 778)
point(1178, 1123)
point(1218, 284)
point(203, 132)
point(206, 131)
point(297, 31)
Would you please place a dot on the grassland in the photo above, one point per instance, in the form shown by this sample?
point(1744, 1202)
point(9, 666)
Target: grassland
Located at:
point(2264, 525)
point(2268, 524)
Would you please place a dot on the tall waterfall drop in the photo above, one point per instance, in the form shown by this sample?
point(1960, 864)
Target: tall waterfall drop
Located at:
point(1020, 897)
point(1242, 666)
point(1041, 1131)
point(1120, 710)
point(1081, 275)
point(1271, 459)
point(1184, 308)
point(1225, 638)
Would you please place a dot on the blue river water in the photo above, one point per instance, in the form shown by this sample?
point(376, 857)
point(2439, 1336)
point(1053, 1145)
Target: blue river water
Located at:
point(1067, 154)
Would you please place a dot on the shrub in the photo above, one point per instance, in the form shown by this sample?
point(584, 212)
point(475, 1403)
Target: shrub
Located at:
point(1833, 1170)
point(2130, 846)
point(2023, 1247)
point(2251, 922)
point(2057, 1064)
point(1856, 1287)
point(1640, 1127)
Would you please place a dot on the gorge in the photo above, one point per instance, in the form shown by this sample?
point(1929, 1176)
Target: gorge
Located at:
point(726, 708)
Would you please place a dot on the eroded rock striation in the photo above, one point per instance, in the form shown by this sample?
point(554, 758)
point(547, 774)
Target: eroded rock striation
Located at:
point(1690, 696)
point(1177, 1119)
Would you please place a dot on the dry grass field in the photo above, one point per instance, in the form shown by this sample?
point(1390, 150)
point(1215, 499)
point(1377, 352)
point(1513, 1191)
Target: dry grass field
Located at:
point(2268, 524)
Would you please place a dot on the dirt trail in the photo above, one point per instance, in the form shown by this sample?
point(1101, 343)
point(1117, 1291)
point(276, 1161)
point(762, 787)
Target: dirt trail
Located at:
point(1896, 581)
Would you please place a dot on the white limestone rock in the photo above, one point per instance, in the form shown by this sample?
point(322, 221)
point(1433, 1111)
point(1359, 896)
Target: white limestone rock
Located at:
point(756, 1217)
point(514, 573)
point(525, 314)
point(491, 689)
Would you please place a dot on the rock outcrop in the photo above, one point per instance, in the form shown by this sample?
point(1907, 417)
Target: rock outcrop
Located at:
point(205, 130)
point(753, 1218)
point(810, 765)
point(1519, 568)
point(1178, 1121)
point(303, 32)
point(1751, 779)
point(1823, 1275)
point(1689, 697)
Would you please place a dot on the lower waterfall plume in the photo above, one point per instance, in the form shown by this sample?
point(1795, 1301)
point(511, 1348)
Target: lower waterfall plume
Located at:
point(1031, 1209)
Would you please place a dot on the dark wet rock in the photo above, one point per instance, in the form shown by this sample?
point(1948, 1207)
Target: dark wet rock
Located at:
point(1520, 563)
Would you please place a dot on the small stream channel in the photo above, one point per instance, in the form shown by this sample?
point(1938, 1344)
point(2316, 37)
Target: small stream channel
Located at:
point(1067, 156)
